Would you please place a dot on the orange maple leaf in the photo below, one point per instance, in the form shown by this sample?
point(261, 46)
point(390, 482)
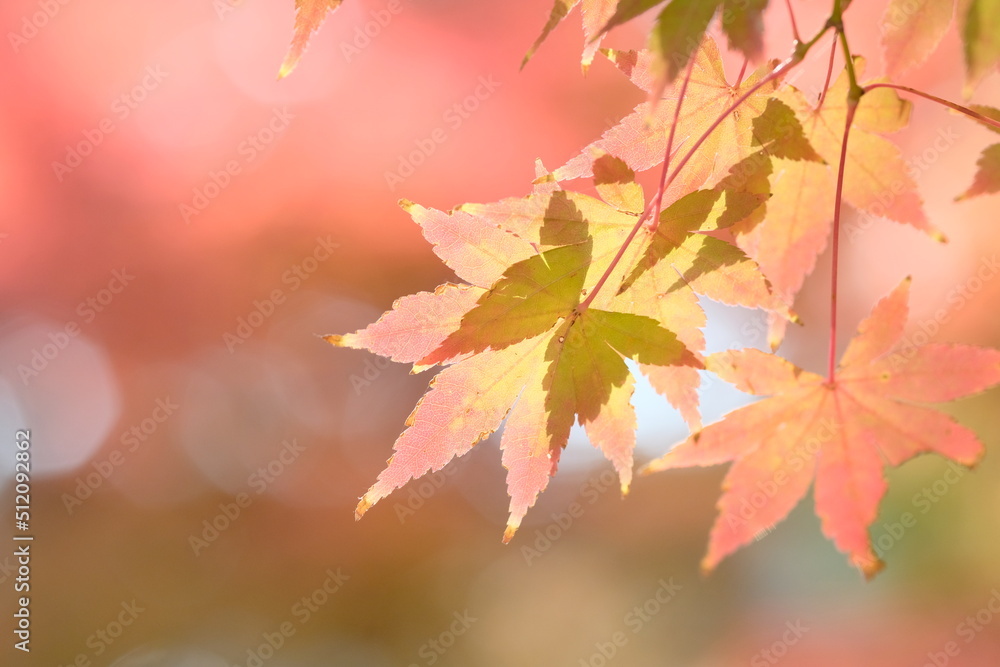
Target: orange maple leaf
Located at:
point(842, 434)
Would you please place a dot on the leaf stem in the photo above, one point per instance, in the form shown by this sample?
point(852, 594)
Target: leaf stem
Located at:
point(852, 106)
point(655, 220)
point(798, 55)
point(829, 74)
point(743, 71)
point(791, 15)
point(585, 304)
point(854, 95)
point(933, 98)
point(778, 71)
point(655, 205)
point(855, 88)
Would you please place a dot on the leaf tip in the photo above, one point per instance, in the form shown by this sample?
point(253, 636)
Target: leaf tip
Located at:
point(287, 67)
point(938, 236)
point(656, 465)
point(405, 204)
point(362, 507)
point(707, 565)
point(508, 533)
point(334, 339)
point(870, 566)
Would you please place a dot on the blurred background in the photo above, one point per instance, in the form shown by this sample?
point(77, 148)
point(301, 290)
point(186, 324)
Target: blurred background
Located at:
point(177, 227)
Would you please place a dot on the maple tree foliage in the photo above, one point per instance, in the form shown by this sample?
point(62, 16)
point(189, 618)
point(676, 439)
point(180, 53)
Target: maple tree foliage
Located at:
point(557, 289)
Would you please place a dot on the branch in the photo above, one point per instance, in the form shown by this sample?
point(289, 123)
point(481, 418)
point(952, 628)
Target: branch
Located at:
point(933, 98)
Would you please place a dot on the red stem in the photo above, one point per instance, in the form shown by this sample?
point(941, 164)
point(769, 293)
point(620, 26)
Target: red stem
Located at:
point(585, 304)
point(743, 70)
point(951, 105)
point(654, 205)
point(783, 68)
point(852, 107)
point(670, 144)
point(791, 15)
point(779, 71)
point(829, 73)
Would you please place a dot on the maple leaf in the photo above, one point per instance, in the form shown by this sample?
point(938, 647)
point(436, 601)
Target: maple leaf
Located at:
point(841, 434)
point(309, 15)
point(658, 276)
point(990, 112)
point(681, 25)
point(987, 178)
point(980, 37)
point(640, 139)
point(478, 252)
point(795, 230)
point(912, 30)
point(596, 14)
point(416, 325)
point(876, 178)
point(742, 21)
point(678, 30)
point(528, 344)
